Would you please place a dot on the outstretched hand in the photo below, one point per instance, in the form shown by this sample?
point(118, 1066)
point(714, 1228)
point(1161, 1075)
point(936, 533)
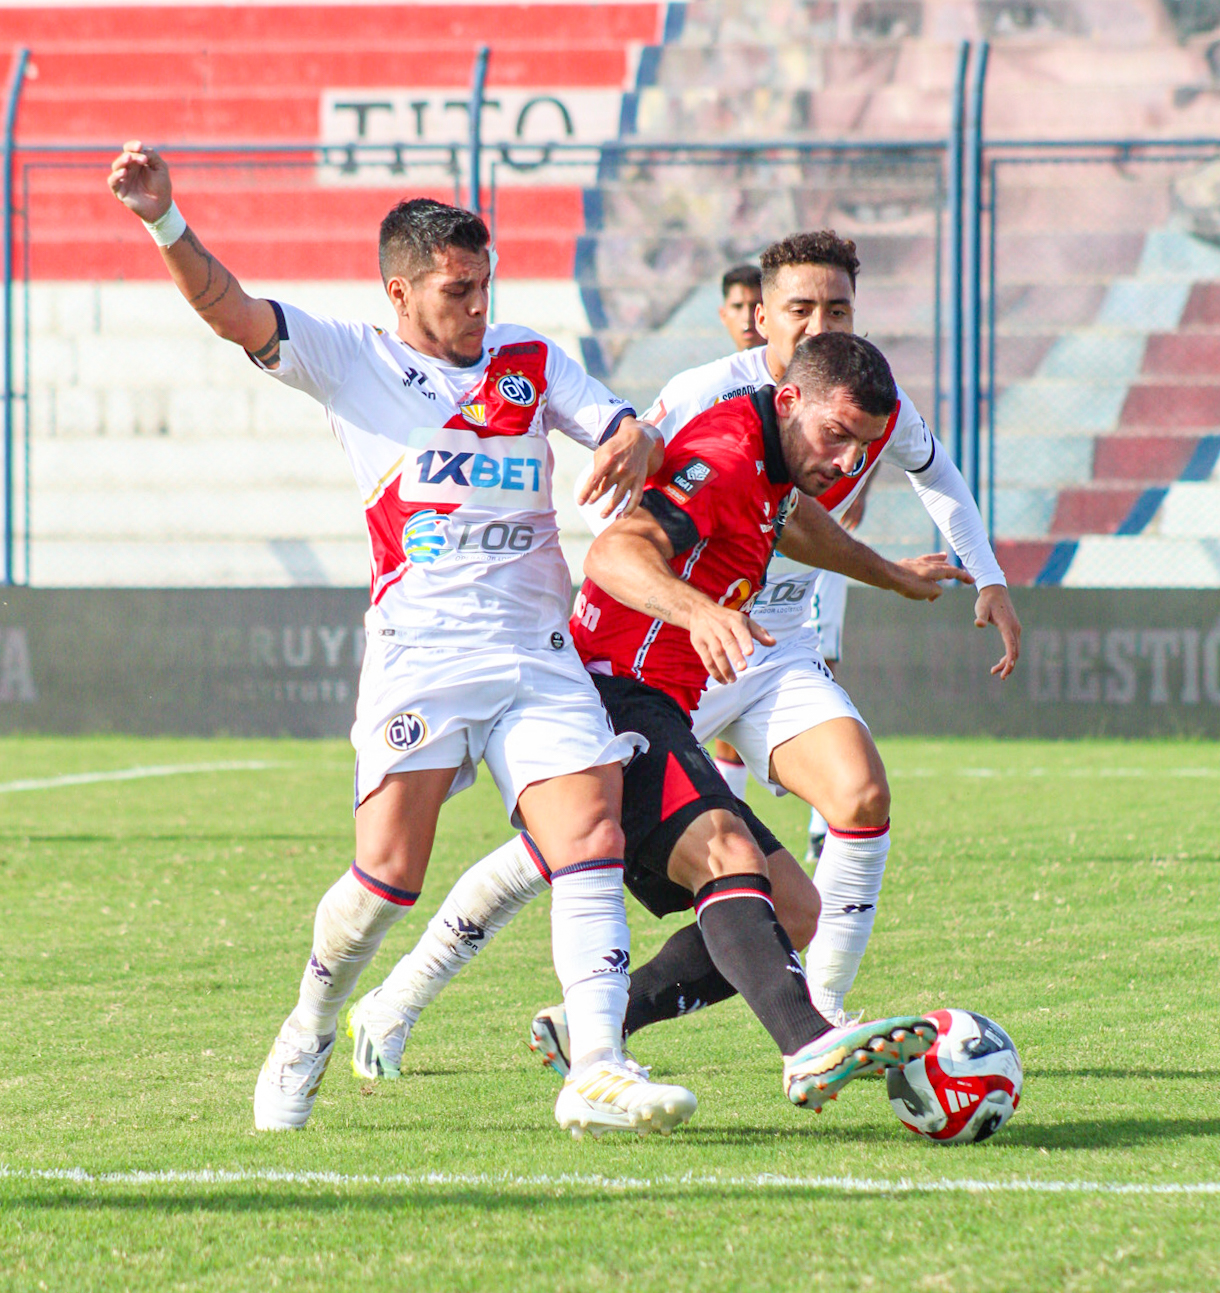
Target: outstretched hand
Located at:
point(994, 606)
point(621, 468)
point(139, 178)
point(723, 638)
point(922, 575)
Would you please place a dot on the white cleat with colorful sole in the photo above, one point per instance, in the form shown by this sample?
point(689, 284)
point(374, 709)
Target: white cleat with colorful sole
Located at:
point(819, 1071)
point(613, 1096)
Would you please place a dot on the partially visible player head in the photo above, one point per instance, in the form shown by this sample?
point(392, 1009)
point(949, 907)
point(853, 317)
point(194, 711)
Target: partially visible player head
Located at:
point(808, 287)
point(742, 290)
point(836, 396)
point(436, 269)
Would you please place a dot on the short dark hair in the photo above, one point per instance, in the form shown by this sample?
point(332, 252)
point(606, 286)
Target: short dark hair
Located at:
point(746, 275)
point(824, 247)
point(416, 229)
point(832, 361)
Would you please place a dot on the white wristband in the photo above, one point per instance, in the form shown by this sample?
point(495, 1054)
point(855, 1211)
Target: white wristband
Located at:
point(171, 226)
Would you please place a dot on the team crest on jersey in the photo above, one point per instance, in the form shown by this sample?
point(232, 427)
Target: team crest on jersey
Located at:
point(688, 480)
point(517, 389)
point(476, 414)
point(859, 465)
point(406, 731)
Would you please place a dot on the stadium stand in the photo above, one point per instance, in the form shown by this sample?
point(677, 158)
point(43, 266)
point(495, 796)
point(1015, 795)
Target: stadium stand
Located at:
point(160, 456)
point(1107, 410)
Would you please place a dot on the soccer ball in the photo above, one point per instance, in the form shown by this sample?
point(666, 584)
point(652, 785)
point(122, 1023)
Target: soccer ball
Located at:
point(965, 1088)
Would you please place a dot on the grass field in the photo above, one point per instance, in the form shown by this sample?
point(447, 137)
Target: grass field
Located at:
point(152, 931)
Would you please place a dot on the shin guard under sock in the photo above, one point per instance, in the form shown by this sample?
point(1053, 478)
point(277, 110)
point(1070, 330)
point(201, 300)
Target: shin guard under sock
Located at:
point(848, 879)
point(480, 904)
point(352, 919)
point(591, 946)
point(679, 979)
point(749, 947)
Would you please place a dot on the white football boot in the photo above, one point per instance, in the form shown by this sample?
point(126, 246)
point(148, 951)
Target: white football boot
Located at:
point(289, 1080)
point(819, 1071)
point(379, 1034)
point(549, 1037)
point(613, 1096)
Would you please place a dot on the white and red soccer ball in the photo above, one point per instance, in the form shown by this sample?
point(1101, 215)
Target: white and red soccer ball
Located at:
point(965, 1088)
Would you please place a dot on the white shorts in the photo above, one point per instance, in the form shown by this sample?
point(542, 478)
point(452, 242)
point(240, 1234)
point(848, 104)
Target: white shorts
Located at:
point(529, 715)
point(786, 691)
point(828, 610)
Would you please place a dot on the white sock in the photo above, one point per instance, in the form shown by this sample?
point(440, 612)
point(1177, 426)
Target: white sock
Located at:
point(483, 901)
point(352, 919)
point(591, 945)
point(817, 823)
point(735, 775)
point(848, 878)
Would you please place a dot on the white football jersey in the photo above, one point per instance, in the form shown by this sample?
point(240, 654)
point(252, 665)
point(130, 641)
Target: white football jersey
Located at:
point(785, 603)
point(455, 470)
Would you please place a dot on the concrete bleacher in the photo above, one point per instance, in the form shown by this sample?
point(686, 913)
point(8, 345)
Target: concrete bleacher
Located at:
point(1108, 292)
point(159, 455)
point(1106, 412)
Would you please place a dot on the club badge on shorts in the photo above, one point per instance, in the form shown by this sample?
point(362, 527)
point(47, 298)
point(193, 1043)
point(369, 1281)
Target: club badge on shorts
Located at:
point(406, 731)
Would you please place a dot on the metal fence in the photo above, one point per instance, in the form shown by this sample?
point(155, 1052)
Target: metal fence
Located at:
point(1047, 305)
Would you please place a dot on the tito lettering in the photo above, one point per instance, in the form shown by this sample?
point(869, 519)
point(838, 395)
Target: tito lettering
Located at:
point(439, 465)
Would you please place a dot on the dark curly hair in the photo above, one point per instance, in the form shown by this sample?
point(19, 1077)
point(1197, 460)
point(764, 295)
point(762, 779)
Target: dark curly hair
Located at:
point(840, 360)
point(824, 247)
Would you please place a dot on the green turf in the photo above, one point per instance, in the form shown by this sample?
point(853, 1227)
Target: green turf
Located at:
point(152, 933)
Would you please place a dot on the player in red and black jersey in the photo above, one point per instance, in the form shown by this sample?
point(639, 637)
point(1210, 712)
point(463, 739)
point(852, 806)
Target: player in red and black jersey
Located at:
point(664, 606)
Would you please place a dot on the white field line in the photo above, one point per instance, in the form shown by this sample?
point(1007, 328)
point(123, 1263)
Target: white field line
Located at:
point(1102, 771)
point(132, 774)
point(507, 1180)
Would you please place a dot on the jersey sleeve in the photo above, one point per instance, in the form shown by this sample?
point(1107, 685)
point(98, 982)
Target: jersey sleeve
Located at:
point(910, 444)
point(693, 495)
point(579, 405)
point(316, 353)
point(681, 398)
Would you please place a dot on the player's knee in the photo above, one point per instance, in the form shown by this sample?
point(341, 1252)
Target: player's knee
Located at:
point(732, 850)
point(600, 839)
point(798, 913)
point(866, 804)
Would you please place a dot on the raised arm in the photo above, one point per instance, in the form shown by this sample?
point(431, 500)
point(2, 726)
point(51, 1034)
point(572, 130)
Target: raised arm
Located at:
point(139, 178)
point(813, 537)
point(629, 560)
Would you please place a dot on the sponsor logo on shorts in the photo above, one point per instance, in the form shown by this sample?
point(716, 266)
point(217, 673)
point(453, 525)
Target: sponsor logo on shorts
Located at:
point(406, 731)
point(517, 389)
point(557, 640)
point(688, 480)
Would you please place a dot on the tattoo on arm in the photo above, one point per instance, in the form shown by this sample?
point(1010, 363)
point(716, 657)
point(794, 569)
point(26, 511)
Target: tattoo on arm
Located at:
point(268, 354)
point(212, 293)
point(657, 608)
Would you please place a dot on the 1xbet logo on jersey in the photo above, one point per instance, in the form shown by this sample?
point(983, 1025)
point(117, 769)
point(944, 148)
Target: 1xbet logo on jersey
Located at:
point(406, 731)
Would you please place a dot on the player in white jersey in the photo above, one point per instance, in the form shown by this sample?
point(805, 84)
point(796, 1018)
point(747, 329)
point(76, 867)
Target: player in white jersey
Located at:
point(796, 727)
point(444, 423)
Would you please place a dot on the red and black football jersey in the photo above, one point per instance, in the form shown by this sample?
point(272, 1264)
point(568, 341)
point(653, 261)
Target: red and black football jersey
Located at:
point(721, 496)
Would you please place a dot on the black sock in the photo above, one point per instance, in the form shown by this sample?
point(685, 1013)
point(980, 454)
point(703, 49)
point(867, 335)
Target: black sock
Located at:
point(749, 947)
point(679, 979)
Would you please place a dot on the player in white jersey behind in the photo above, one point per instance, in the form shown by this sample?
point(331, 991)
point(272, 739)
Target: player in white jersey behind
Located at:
point(444, 424)
point(797, 729)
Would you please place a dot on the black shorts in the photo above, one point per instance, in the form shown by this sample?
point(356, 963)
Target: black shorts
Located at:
point(665, 789)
